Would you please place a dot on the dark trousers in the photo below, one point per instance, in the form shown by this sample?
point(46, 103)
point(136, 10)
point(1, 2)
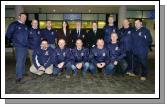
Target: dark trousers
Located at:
point(129, 60)
point(21, 54)
point(140, 61)
point(122, 66)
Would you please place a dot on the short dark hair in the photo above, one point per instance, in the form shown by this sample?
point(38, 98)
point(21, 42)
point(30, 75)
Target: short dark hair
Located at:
point(79, 39)
point(94, 22)
point(99, 39)
point(22, 14)
point(139, 19)
point(44, 40)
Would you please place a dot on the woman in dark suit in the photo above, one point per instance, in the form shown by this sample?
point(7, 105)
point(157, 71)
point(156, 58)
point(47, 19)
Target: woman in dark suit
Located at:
point(64, 33)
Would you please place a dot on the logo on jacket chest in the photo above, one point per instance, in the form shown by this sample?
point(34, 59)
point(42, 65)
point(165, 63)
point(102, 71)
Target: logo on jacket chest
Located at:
point(103, 54)
point(82, 54)
point(113, 30)
point(38, 32)
point(129, 32)
point(116, 48)
point(46, 53)
point(139, 34)
point(52, 33)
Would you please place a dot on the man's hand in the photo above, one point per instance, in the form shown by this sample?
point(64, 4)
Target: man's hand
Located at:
point(41, 68)
point(79, 65)
point(103, 64)
point(115, 62)
point(60, 65)
point(99, 65)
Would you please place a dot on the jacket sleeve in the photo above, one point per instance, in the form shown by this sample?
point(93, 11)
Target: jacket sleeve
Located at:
point(92, 59)
point(10, 31)
point(107, 60)
point(50, 59)
point(86, 58)
point(121, 53)
point(69, 56)
point(148, 37)
point(35, 59)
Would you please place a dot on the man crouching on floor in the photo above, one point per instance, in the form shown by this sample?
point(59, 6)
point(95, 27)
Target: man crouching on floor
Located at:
point(42, 59)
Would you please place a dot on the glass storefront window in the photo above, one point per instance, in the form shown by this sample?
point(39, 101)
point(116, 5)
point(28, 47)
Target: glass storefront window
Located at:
point(42, 24)
point(31, 17)
point(101, 24)
point(57, 24)
point(86, 24)
point(72, 24)
point(134, 14)
point(54, 16)
point(89, 16)
point(102, 17)
point(42, 16)
point(10, 13)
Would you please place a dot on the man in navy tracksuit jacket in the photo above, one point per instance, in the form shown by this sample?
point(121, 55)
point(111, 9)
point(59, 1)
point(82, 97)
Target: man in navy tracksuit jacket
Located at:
point(34, 38)
point(80, 58)
point(99, 57)
point(62, 59)
point(49, 34)
point(125, 34)
point(117, 54)
point(142, 40)
point(42, 59)
point(109, 29)
point(17, 32)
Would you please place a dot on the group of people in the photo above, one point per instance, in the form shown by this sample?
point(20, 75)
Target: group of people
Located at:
point(53, 52)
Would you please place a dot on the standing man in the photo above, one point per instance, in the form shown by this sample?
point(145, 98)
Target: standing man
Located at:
point(93, 35)
point(42, 59)
point(80, 58)
point(49, 34)
point(62, 59)
point(34, 38)
point(17, 32)
point(99, 58)
point(142, 40)
point(126, 33)
point(109, 29)
point(78, 33)
point(117, 54)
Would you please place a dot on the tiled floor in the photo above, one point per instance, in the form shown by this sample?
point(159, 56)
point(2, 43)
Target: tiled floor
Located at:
point(46, 84)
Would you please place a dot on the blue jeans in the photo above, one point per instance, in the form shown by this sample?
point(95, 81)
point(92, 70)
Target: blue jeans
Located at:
point(84, 69)
point(52, 46)
point(21, 54)
point(108, 69)
point(57, 70)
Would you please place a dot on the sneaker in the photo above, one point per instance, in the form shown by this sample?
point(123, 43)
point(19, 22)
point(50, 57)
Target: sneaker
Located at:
point(131, 74)
point(68, 76)
point(142, 78)
point(19, 81)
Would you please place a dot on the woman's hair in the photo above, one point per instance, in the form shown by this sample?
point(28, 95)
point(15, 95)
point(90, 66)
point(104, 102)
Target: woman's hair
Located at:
point(67, 27)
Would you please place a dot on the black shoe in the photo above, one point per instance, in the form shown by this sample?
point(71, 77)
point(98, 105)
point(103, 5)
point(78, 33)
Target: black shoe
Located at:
point(19, 81)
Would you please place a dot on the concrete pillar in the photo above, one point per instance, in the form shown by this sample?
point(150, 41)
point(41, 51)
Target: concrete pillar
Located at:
point(122, 15)
point(18, 9)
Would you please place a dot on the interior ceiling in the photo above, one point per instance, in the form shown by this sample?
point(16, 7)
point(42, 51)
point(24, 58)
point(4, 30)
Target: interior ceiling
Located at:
point(80, 8)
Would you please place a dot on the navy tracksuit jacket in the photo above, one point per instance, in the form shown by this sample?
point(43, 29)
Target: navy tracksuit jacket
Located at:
point(50, 35)
point(18, 33)
point(99, 55)
point(107, 32)
point(34, 38)
point(80, 55)
point(43, 57)
point(62, 55)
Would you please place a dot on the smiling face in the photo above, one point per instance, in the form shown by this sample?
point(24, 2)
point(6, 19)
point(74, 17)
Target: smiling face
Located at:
point(48, 24)
point(61, 43)
point(79, 43)
point(125, 23)
point(34, 23)
point(100, 43)
point(44, 45)
point(110, 20)
point(114, 37)
point(22, 18)
point(138, 24)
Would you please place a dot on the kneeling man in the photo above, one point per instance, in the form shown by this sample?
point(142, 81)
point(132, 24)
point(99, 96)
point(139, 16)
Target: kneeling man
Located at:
point(80, 58)
point(100, 58)
point(42, 59)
